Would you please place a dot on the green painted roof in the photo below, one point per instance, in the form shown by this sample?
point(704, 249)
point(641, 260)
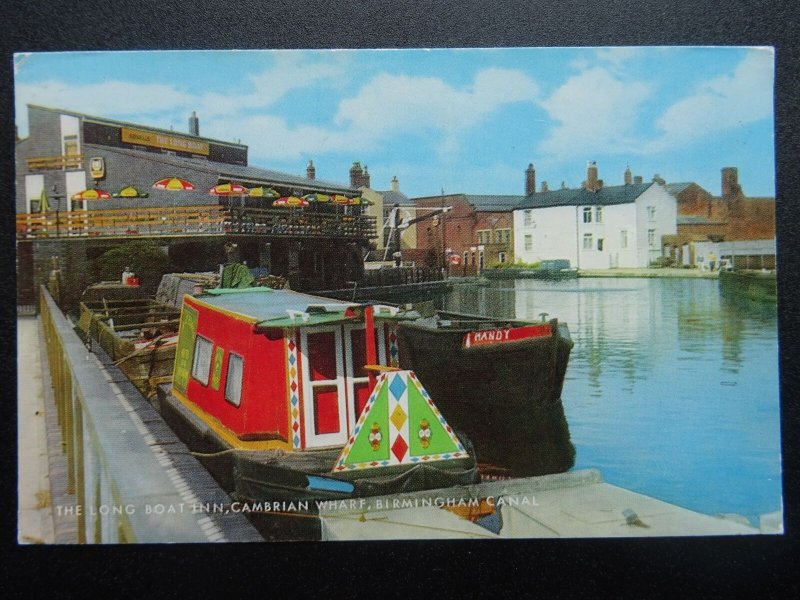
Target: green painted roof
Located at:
point(285, 308)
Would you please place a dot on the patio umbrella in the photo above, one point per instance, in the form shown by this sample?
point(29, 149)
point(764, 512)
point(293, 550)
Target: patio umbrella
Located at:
point(130, 192)
point(262, 192)
point(290, 201)
point(174, 184)
point(317, 197)
point(92, 194)
point(228, 189)
point(362, 201)
point(340, 199)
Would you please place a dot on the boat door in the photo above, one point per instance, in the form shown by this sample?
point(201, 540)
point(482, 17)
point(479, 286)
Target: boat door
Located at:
point(324, 397)
point(357, 380)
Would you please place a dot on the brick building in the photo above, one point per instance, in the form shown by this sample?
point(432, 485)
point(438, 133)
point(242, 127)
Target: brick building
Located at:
point(705, 220)
point(475, 233)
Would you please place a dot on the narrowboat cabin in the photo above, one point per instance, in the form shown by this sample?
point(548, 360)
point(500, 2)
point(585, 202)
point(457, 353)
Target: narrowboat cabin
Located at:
point(308, 404)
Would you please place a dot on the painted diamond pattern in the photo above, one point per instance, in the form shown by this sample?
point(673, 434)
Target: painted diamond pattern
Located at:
point(397, 387)
point(292, 359)
point(398, 416)
point(399, 448)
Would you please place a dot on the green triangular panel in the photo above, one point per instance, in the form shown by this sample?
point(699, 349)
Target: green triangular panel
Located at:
point(361, 450)
point(440, 440)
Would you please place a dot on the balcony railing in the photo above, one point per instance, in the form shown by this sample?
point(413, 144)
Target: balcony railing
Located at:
point(193, 220)
point(50, 163)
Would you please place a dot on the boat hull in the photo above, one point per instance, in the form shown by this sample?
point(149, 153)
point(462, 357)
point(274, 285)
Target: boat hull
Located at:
point(505, 397)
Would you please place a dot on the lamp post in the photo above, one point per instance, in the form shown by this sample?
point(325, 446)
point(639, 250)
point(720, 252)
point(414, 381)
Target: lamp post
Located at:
point(57, 198)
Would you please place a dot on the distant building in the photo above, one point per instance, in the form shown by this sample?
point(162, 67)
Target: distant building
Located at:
point(708, 224)
point(595, 226)
point(383, 202)
point(475, 233)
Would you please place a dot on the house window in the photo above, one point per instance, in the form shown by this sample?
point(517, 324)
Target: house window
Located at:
point(651, 238)
point(484, 236)
point(528, 218)
point(651, 213)
point(202, 359)
point(623, 238)
point(528, 242)
point(70, 145)
point(600, 244)
point(503, 236)
point(233, 379)
point(587, 240)
point(501, 257)
point(598, 214)
point(587, 214)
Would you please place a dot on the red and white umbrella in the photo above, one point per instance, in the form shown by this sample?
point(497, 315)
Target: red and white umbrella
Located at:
point(290, 201)
point(92, 194)
point(174, 184)
point(228, 189)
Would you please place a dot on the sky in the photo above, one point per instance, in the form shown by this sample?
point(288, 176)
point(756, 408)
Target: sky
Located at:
point(443, 120)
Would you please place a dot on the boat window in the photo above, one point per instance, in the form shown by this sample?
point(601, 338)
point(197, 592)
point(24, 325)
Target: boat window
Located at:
point(202, 359)
point(233, 379)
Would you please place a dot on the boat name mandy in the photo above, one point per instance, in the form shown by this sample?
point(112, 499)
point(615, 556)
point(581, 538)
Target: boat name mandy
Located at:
point(495, 336)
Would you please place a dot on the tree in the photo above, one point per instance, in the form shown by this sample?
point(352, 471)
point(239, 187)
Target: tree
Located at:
point(144, 257)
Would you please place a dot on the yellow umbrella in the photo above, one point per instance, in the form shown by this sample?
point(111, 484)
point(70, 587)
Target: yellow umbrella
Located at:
point(44, 203)
point(262, 192)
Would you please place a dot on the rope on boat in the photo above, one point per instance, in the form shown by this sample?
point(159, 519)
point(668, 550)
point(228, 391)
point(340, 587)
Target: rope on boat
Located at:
point(213, 454)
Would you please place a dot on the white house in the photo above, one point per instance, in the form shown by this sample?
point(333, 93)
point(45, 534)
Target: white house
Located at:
point(595, 226)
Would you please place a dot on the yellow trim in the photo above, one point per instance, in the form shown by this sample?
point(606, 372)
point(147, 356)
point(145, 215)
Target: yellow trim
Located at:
point(222, 431)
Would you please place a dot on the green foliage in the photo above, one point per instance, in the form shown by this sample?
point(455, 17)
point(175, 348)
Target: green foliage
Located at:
point(144, 257)
point(520, 264)
point(662, 262)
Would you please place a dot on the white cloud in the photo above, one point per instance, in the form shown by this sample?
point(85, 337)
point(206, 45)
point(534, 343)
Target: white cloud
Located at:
point(721, 103)
point(394, 104)
point(595, 112)
point(163, 103)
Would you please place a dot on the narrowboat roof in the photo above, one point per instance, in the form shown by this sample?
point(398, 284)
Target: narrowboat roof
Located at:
point(284, 308)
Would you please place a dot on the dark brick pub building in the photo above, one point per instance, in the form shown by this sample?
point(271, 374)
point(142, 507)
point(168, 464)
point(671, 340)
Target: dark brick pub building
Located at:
point(318, 247)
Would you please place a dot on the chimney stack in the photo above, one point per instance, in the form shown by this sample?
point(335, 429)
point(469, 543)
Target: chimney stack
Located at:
point(395, 184)
point(356, 174)
point(658, 179)
point(544, 187)
point(311, 172)
point(530, 180)
point(194, 124)
point(730, 182)
point(591, 176)
point(628, 176)
point(637, 179)
point(365, 177)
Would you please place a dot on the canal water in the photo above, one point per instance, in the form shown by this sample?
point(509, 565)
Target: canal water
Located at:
point(671, 389)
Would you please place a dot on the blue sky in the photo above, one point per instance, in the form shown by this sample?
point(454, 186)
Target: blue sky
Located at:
point(458, 120)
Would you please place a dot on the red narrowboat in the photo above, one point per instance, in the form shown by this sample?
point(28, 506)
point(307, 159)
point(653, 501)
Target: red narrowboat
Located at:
point(307, 403)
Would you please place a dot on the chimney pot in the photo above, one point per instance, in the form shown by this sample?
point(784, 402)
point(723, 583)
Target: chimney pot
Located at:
point(591, 176)
point(194, 124)
point(395, 184)
point(530, 180)
point(311, 172)
point(544, 187)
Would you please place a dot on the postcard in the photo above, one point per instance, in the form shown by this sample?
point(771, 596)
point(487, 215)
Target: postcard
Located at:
point(453, 293)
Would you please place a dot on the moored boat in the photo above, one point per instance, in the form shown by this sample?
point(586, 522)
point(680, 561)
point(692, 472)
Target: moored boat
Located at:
point(139, 335)
point(499, 381)
point(302, 404)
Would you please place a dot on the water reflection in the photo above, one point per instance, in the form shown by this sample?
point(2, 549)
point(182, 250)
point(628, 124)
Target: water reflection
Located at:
point(671, 390)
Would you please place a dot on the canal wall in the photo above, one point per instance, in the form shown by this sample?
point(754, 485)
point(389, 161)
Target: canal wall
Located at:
point(130, 478)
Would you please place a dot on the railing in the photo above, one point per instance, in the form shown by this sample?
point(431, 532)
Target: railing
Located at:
point(49, 163)
point(192, 220)
point(386, 276)
point(112, 470)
